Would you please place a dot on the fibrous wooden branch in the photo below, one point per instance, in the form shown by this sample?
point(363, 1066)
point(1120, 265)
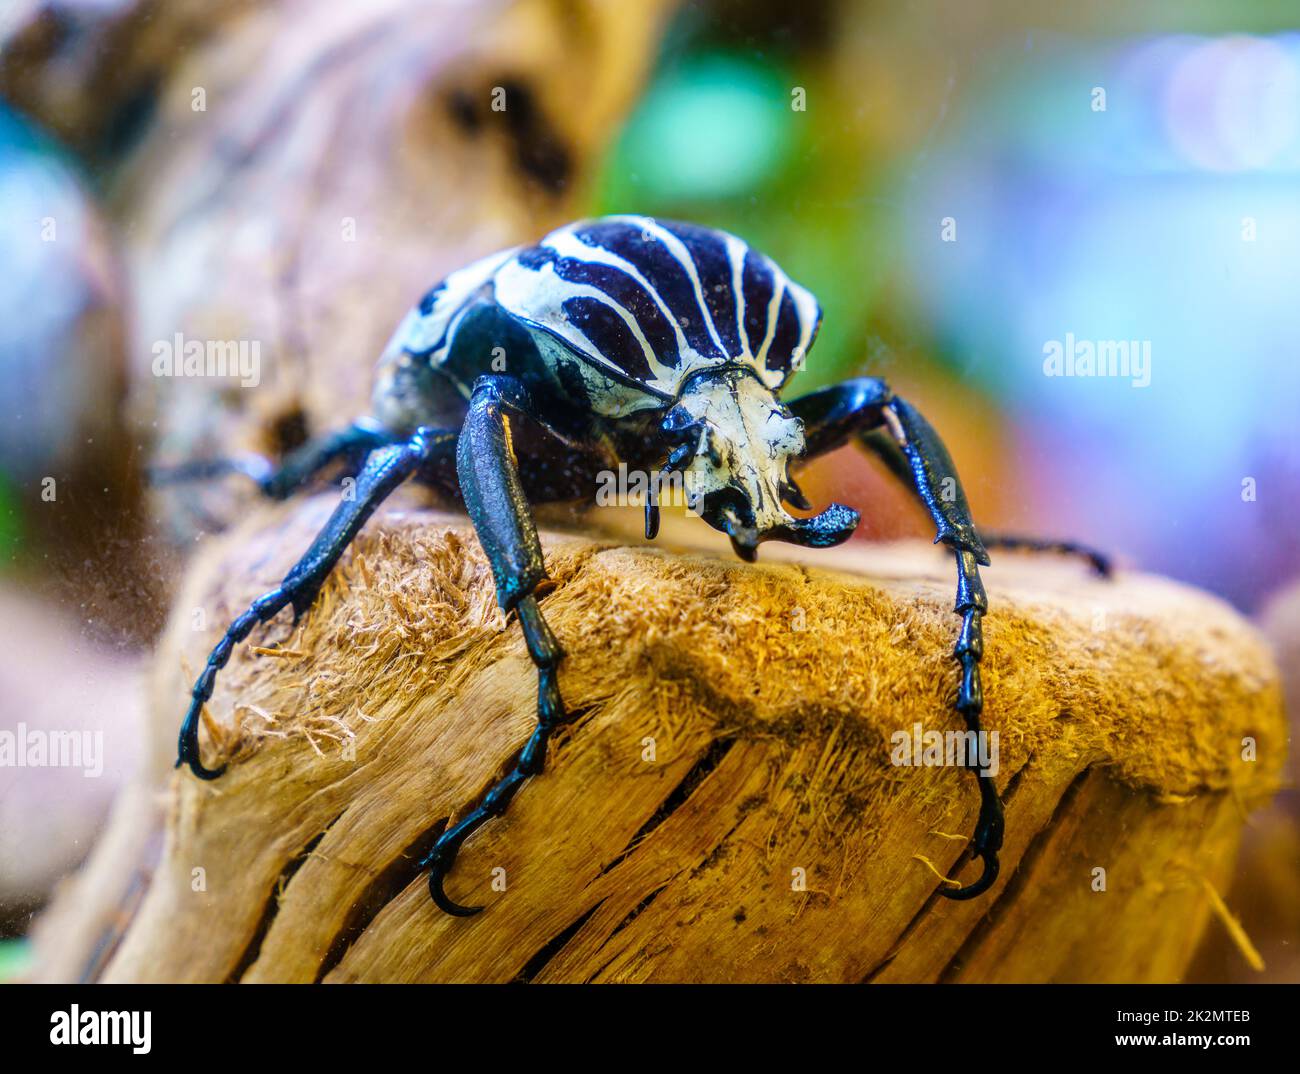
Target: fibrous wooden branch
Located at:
point(724, 807)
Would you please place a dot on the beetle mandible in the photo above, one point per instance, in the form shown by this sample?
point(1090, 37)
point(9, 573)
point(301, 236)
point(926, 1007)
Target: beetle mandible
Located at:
point(658, 344)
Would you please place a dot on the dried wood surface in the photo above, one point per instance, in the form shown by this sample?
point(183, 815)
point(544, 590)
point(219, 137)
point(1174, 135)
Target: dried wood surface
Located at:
point(294, 175)
point(770, 693)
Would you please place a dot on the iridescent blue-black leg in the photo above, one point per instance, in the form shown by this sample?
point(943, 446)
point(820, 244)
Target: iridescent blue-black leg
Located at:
point(351, 445)
point(882, 443)
point(384, 470)
point(1017, 542)
point(494, 497)
point(546, 654)
point(859, 408)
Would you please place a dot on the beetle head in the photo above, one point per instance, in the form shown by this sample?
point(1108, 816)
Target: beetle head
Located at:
point(735, 443)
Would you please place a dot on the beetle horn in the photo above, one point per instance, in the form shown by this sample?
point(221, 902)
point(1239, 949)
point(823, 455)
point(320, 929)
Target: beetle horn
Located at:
point(831, 527)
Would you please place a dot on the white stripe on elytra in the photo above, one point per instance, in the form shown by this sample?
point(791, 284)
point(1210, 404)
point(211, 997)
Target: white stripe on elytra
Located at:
point(806, 307)
point(566, 244)
point(678, 249)
point(539, 294)
point(582, 290)
point(736, 250)
point(421, 332)
point(773, 313)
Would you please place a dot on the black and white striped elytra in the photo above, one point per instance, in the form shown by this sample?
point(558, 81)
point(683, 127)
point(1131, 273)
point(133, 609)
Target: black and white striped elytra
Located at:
point(622, 340)
point(628, 307)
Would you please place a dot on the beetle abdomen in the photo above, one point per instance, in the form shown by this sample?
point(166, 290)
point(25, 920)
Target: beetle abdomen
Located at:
point(651, 301)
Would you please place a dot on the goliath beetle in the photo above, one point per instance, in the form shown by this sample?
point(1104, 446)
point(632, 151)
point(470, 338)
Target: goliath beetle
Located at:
point(626, 339)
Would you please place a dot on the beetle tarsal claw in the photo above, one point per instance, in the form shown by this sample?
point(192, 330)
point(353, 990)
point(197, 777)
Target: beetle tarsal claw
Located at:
point(439, 861)
point(437, 876)
point(986, 880)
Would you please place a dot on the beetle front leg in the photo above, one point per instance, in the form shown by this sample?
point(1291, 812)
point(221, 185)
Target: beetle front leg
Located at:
point(866, 408)
point(972, 605)
point(935, 482)
point(503, 520)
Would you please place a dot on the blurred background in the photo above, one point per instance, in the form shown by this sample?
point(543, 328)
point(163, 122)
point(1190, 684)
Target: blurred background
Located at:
point(964, 185)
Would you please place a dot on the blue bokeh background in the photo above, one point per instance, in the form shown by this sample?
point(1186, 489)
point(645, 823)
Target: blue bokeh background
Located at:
point(1138, 185)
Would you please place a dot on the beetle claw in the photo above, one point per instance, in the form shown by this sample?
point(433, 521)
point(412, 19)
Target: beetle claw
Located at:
point(439, 861)
point(197, 768)
point(188, 749)
point(437, 875)
point(981, 885)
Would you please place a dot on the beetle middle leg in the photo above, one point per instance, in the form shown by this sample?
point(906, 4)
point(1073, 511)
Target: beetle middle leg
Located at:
point(862, 408)
point(384, 471)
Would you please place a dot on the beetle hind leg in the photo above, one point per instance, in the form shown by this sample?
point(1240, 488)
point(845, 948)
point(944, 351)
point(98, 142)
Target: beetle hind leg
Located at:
point(1100, 562)
point(885, 447)
point(384, 470)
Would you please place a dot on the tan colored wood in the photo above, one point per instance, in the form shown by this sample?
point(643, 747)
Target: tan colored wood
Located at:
point(772, 691)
